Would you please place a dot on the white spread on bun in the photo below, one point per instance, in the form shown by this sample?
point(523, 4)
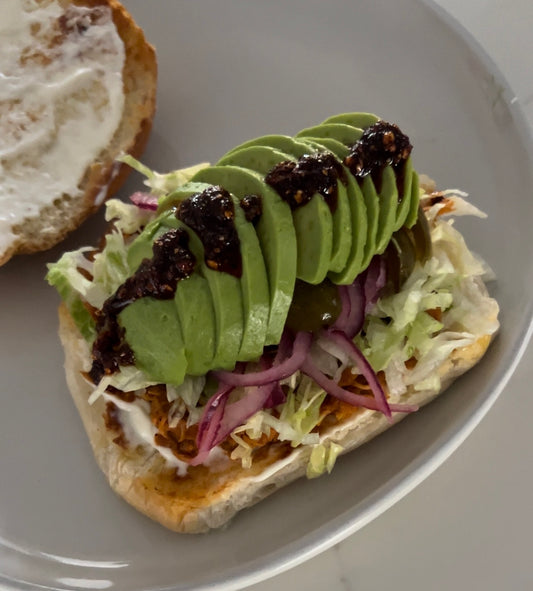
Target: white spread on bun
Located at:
point(69, 104)
point(247, 322)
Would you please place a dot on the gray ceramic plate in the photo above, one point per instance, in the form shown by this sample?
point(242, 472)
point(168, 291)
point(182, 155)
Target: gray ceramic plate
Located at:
point(229, 71)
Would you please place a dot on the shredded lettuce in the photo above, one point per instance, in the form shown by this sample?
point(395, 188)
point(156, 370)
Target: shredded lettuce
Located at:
point(189, 392)
point(162, 184)
point(322, 459)
point(110, 270)
point(111, 267)
point(439, 309)
point(301, 411)
point(300, 414)
point(127, 217)
point(128, 379)
point(70, 284)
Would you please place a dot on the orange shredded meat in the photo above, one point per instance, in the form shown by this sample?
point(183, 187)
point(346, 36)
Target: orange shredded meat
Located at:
point(435, 313)
point(113, 423)
point(180, 439)
point(357, 383)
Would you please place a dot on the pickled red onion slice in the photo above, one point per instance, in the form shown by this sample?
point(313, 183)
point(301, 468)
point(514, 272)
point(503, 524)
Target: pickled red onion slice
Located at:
point(332, 388)
point(349, 348)
point(209, 424)
point(144, 200)
point(276, 373)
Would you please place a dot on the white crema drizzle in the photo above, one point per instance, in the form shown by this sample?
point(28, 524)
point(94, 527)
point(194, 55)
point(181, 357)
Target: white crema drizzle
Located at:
point(138, 429)
point(61, 101)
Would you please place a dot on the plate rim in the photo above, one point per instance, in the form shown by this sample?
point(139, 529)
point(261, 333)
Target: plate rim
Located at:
point(344, 525)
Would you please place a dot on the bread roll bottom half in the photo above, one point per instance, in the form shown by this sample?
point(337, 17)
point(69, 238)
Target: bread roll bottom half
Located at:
point(208, 496)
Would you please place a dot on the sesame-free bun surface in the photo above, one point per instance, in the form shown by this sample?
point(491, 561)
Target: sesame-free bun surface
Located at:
point(208, 497)
point(103, 177)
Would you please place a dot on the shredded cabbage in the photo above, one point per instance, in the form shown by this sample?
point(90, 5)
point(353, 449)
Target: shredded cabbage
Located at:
point(322, 459)
point(127, 217)
point(70, 283)
point(127, 379)
point(162, 184)
point(301, 411)
point(110, 270)
point(439, 309)
point(110, 267)
point(189, 392)
point(300, 414)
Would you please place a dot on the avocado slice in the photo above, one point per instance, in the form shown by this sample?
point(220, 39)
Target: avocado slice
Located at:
point(346, 134)
point(412, 216)
point(361, 120)
point(225, 289)
point(405, 205)
point(342, 224)
point(198, 323)
point(254, 288)
point(152, 329)
point(283, 143)
point(334, 146)
point(226, 296)
point(178, 195)
point(276, 235)
point(313, 222)
point(358, 212)
point(372, 209)
point(262, 159)
point(406, 211)
point(388, 205)
point(253, 281)
point(314, 236)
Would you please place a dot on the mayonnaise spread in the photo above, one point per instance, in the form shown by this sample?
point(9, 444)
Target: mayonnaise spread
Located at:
point(61, 101)
point(139, 430)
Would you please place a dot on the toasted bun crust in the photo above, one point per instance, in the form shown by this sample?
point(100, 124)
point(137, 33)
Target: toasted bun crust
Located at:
point(103, 177)
point(208, 498)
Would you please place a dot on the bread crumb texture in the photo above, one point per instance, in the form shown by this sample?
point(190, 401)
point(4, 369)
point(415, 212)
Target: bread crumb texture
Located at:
point(78, 88)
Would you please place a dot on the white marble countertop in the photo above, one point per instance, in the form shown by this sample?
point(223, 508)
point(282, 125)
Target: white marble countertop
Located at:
point(468, 526)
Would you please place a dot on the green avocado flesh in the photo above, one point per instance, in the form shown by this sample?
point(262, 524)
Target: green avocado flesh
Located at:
point(153, 331)
point(360, 120)
point(216, 318)
point(341, 219)
point(228, 306)
point(283, 143)
point(412, 216)
point(227, 300)
point(199, 344)
point(313, 223)
point(358, 216)
point(385, 212)
point(276, 235)
point(254, 289)
point(261, 159)
point(345, 134)
point(250, 292)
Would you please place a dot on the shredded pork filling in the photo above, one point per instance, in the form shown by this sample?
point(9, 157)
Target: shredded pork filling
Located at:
point(309, 411)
